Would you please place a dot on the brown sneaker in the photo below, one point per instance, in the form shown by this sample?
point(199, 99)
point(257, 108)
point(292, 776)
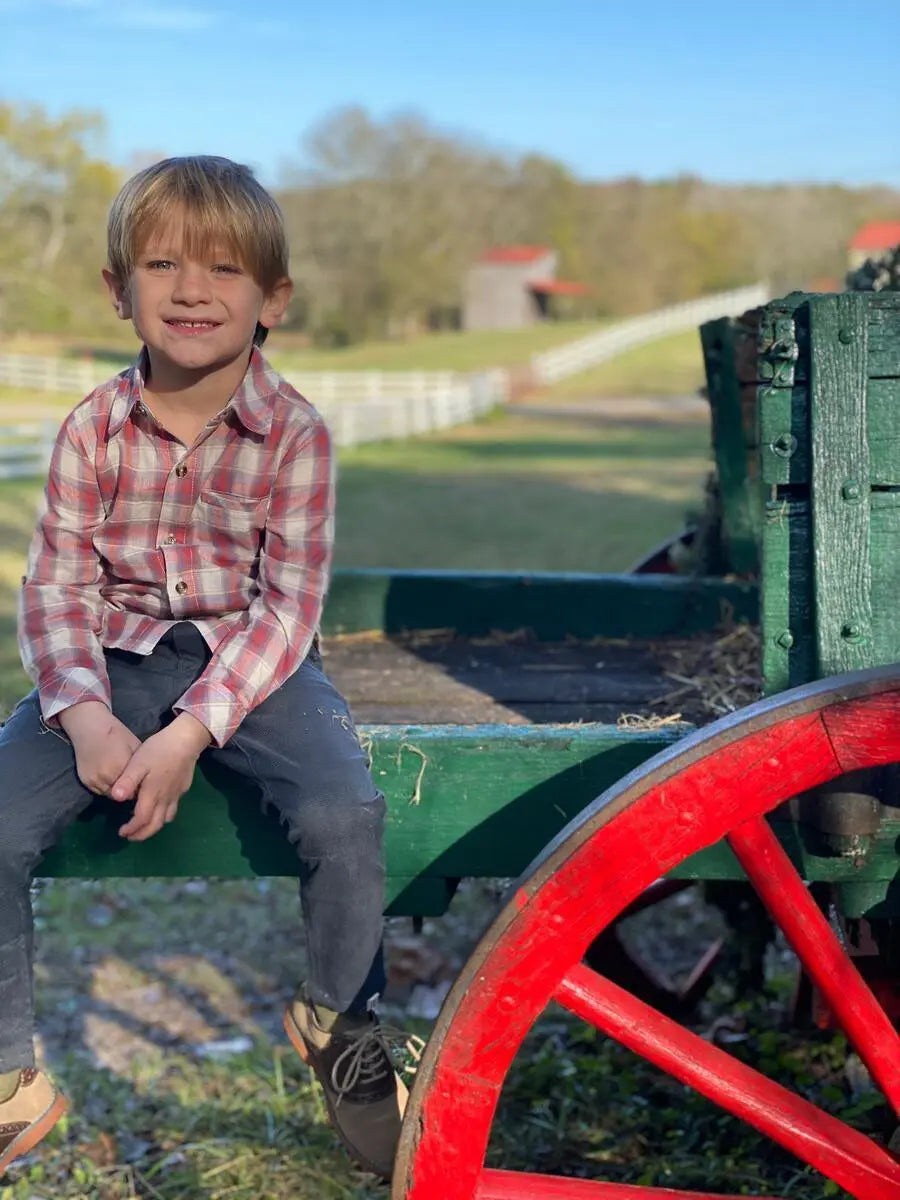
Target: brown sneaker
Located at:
point(28, 1115)
point(366, 1097)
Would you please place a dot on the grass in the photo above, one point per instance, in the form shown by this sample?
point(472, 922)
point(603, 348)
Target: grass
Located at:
point(510, 492)
point(134, 978)
point(668, 367)
point(452, 351)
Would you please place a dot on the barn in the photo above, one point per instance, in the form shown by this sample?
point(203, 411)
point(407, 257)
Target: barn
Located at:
point(511, 287)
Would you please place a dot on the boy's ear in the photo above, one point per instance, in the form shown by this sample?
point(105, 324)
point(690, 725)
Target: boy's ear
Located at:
point(275, 304)
point(118, 294)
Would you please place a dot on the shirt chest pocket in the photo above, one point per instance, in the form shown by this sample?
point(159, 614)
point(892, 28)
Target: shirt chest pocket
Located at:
point(230, 516)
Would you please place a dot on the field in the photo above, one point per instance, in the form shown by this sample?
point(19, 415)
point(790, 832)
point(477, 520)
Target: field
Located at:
point(496, 494)
point(160, 1002)
point(450, 351)
point(671, 366)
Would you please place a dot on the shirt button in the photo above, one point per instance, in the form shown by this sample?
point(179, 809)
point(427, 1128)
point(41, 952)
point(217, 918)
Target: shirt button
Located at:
point(170, 540)
point(180, 587)
point(181, 470)
point(139, 408)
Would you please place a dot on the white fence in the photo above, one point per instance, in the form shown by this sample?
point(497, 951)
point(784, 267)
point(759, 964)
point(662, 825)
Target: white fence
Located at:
point(76, 377)
point(598, 347)
point(369, 406)
point(25, 448)
point(383, 407)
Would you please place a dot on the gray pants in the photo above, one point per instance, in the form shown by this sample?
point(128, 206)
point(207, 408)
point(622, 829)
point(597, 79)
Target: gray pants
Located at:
point(312, 771)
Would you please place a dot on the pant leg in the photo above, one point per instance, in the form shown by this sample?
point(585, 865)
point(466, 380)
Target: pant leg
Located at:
point(301, 749)
point(41, 794)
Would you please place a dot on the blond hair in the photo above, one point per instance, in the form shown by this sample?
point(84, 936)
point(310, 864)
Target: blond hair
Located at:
point(222, 206)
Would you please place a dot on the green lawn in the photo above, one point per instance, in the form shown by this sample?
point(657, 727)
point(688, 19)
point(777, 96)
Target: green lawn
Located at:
point(668, 367)
point(451, 351)
point(509, 492)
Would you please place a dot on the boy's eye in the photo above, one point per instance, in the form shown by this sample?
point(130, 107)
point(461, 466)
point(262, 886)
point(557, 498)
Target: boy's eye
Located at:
point(226, 268)
point(159, 264)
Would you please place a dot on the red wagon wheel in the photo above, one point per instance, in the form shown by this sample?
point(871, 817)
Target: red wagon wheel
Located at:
point(719, 782)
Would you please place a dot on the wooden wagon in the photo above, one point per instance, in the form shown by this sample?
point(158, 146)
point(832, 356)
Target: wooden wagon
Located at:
point(589, 816)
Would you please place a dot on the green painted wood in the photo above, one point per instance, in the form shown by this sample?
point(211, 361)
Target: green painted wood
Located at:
point(883, 334)
point(840, 481)
point(462, 801)
point(730, 438)
point(869, 877)
point(787, 411)
point(552, 606)
point(787, 633)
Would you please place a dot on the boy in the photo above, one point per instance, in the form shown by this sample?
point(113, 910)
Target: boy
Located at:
point(174, 589)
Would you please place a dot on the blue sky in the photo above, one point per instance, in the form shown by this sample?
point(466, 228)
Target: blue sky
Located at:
point(734, 91)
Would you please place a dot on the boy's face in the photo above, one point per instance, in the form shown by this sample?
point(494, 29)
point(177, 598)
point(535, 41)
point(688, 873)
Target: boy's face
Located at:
point(194, 315)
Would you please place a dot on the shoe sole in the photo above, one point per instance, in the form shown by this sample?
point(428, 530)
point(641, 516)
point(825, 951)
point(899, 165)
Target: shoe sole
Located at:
point(35, 1133)
point(295, 1037)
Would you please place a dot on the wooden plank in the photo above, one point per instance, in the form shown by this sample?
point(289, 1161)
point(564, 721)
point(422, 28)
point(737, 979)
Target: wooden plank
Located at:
point(552, 606)
point(787, 639)
point(479, 801)
point(883, 333)
point(840, 482)
point(783, 435)
point(740, 516)
point(883, 424)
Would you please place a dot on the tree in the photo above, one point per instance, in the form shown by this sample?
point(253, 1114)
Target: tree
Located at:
point(55, 191)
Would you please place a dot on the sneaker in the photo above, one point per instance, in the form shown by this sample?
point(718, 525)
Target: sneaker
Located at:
point(28, 1115)
point(366, 1097)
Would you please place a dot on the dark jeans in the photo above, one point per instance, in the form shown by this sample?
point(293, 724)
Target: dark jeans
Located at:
point(300, 750)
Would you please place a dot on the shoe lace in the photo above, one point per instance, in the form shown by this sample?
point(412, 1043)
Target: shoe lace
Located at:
point(369, 1057)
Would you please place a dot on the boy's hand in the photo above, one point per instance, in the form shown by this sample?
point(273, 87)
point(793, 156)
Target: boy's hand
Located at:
point(159, 773)
point(103, 745)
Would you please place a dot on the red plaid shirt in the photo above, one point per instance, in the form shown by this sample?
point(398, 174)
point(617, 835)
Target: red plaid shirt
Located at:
point(233, 533)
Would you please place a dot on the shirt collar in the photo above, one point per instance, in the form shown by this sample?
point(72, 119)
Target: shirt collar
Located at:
point(251, 402)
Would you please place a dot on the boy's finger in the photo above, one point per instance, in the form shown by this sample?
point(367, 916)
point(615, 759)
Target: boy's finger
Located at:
point(141, 817)
point(128, 782)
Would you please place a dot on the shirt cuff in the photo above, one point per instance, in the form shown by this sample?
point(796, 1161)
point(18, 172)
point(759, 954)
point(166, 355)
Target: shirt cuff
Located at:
point(215, 706)
point(60, 692)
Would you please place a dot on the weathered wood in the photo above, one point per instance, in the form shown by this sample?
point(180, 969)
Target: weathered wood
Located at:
point(462, 802)
point(840, 482)
point(733, 433)
point(552, 606)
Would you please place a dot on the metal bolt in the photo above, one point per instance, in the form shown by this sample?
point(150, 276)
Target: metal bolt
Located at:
point(846, 336)
point(852, 631)
point(785, 639)
point(851, 490)
point(784, 445)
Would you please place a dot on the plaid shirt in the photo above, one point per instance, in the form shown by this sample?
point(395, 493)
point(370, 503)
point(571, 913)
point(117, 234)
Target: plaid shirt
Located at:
point(139, 532)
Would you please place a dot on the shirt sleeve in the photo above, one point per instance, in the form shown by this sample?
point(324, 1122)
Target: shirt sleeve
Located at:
point(60, 606)
point(295, 561)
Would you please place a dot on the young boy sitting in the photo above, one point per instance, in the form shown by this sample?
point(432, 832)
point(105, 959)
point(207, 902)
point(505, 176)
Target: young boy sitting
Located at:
point(174, 589)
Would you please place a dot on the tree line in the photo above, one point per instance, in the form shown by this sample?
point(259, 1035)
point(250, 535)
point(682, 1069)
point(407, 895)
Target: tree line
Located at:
point(385, 217)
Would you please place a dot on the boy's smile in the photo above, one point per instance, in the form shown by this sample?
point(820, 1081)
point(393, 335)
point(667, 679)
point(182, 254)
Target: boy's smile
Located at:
point(196, 310)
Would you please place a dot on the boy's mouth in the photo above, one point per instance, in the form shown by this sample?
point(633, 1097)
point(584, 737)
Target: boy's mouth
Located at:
point(192, 326)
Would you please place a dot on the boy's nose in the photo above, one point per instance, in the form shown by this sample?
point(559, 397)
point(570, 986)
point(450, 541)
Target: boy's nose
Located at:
point(191, 285)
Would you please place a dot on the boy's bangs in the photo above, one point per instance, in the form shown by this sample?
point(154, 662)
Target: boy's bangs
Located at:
point(212, 206)
point(200, 231)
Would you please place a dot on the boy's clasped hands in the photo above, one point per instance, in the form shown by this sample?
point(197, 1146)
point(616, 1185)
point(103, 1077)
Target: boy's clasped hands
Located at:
point(112, 761)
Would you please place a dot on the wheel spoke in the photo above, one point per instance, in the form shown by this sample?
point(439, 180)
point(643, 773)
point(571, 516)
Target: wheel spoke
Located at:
point(841, 1153)
point(515, 1185)
point(817, 946)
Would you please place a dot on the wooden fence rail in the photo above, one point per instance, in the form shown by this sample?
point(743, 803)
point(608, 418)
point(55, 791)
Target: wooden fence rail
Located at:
point(567, 360)
point(25, 446)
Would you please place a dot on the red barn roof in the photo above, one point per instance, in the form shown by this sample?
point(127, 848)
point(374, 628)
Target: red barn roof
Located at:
point(515, 254)
point(877, 235)
point(559, 287)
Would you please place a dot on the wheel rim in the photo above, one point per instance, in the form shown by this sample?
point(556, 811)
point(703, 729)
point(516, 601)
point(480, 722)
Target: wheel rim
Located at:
point(719, 782)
